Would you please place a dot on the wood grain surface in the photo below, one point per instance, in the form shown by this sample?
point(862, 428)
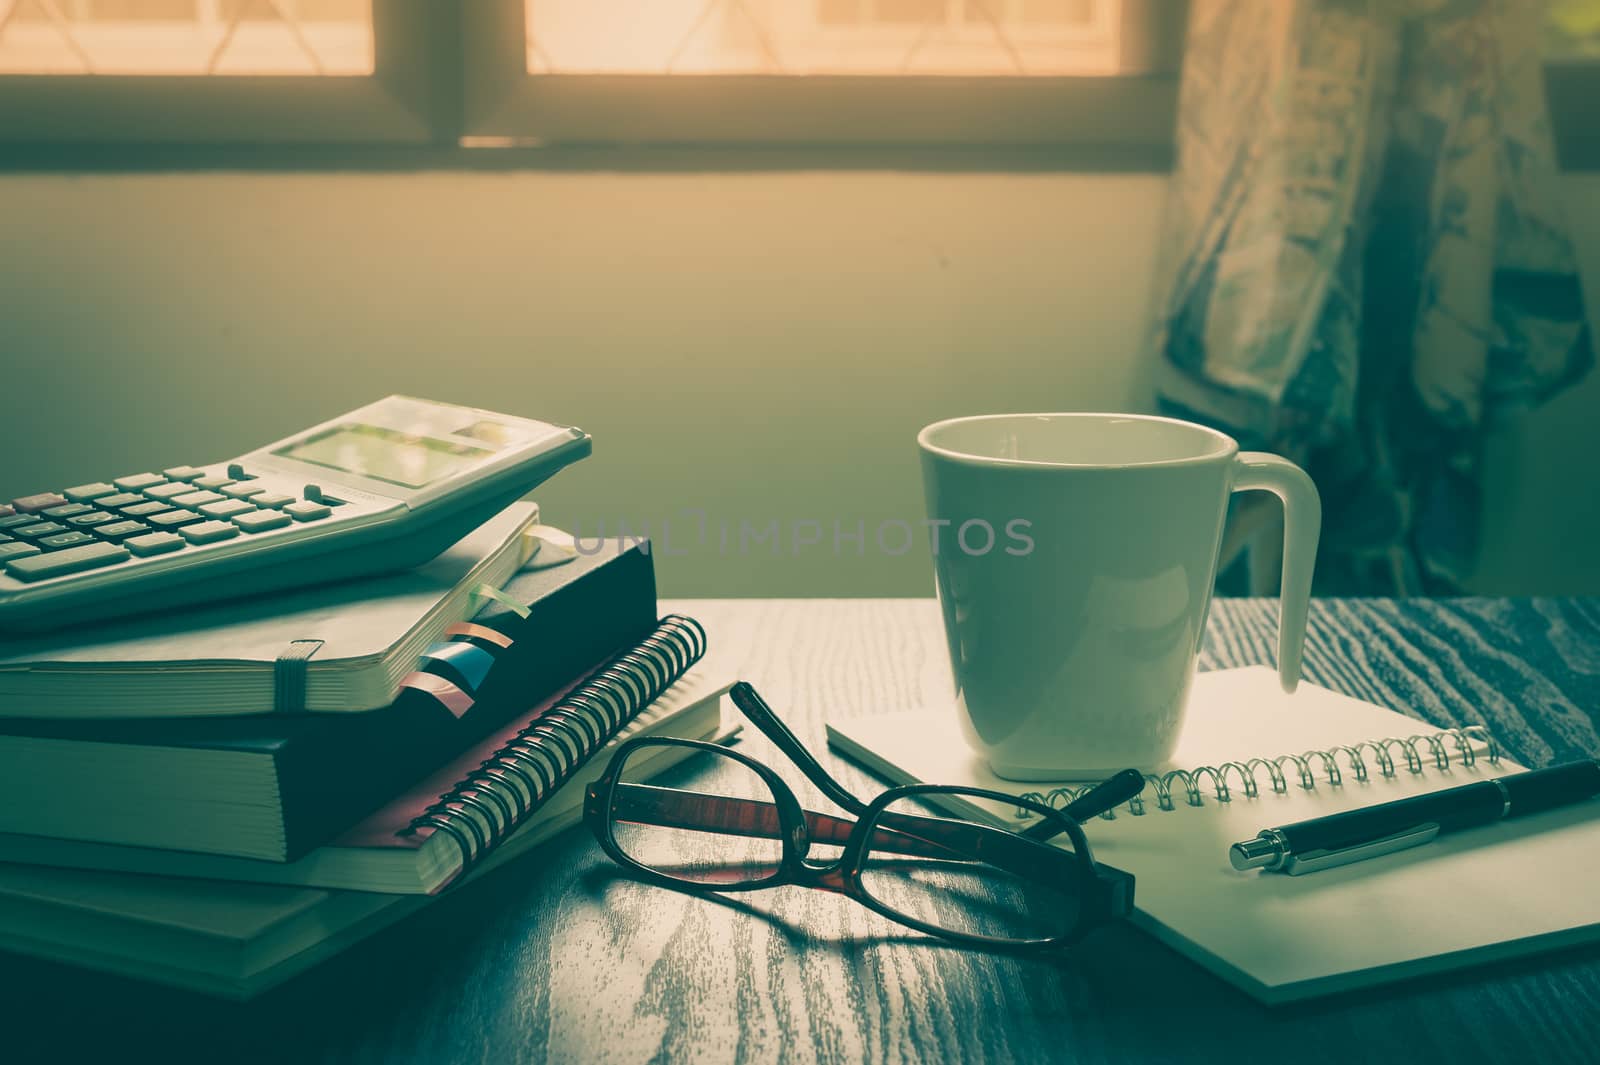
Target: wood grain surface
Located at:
point(560, 957)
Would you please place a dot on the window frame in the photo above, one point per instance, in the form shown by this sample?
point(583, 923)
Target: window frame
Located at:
point(408, 99)
point(503, 104)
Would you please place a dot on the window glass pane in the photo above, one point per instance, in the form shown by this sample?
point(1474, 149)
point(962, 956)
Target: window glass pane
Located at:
point(186, 37)
point(1573, 28)
point(989, 37)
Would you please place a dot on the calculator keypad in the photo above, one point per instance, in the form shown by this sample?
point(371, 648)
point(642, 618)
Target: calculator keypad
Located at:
point(145, 515)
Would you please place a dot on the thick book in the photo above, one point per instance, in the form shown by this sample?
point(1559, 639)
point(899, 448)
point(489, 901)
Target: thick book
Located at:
point(425, 837)
point(236, 940)
point(1251, 757)
point(338, 648)
point(275, 786)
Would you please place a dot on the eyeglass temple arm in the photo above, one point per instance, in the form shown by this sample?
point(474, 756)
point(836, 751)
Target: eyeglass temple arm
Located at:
point(1108, 794)
point(906, 834)
point(764, 718)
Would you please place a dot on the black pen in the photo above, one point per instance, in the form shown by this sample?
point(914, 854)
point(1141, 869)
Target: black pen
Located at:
point(1339, 839)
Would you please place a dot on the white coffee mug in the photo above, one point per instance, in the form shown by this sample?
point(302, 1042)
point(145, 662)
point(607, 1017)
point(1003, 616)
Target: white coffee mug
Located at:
point(1074, 557)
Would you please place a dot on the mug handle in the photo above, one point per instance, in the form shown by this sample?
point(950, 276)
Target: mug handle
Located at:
point(1302, 527)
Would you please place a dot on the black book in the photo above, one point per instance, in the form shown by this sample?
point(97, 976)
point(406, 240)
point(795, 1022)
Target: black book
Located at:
point(276, 786)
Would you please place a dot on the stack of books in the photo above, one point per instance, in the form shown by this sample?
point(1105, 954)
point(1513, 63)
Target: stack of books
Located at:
point(217, 799)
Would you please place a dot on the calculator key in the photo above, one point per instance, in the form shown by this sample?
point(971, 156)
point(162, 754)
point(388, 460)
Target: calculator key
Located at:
point(36, 503)
point(242, 490)
point(226, 509)
point(214, 481)
point(16, 550)
point(43, 528)
point(156, 543)
point(4, 539)
point(195, 499)
point(6, 510)
point(121, 530)
point(273, 500)
point(140, 481)
point(168, 489)
point(66, 511)
point(94, 517)
point(236, 471)
point(172, 519)
point(66, 539)
point(183, 473)
point(118, 501)
point(208, 532)
point(85, 492)
point(261, 520)
point(60, 563)
point(307, 511)
point(11, 521)
point(144, 509)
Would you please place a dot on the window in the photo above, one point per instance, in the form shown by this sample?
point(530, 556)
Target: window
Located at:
point(1031, 73)
point(1572, 29)
point(224, 71)
point(195, 37)
point(863, 37)
point(1060, 79)
point(1572, 78)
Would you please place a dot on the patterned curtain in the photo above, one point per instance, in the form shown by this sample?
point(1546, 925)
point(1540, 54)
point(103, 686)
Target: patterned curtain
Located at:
point(1367, 267)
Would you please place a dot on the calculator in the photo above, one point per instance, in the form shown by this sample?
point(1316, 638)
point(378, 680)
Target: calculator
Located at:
point(384, 487)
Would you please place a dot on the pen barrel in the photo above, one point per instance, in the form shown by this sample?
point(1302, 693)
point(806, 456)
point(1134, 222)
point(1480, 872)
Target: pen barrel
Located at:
point(1546, 789)
point(1451, 809)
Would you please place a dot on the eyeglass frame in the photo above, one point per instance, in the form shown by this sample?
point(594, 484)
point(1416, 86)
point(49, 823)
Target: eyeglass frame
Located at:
point(1104, 893)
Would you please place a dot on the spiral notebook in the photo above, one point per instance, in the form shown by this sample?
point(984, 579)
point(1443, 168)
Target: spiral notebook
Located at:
point(425, 838)
point(1251, 757)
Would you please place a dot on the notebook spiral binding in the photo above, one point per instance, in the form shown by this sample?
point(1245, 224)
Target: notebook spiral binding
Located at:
point(488, 804)
point(1414, 750)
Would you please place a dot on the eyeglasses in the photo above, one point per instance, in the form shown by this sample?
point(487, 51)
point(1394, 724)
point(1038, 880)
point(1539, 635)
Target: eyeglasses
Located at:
point(902, 856)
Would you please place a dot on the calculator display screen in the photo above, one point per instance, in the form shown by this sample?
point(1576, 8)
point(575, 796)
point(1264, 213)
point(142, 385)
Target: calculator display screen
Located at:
point(385, 454)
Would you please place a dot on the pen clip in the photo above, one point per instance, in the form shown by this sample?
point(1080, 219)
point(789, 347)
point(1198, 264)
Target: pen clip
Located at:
point(1312, 861)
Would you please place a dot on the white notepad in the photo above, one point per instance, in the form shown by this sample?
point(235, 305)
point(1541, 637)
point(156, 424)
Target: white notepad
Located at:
point(1484, 894)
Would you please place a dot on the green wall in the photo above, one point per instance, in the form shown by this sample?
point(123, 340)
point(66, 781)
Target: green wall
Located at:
point(757, 347)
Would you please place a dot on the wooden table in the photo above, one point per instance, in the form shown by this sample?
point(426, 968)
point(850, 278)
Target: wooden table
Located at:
point(559, 957)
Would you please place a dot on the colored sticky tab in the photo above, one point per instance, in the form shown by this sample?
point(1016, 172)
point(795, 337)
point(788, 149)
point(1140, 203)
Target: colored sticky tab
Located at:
point(469, 661)
point(448, 695)
point(553, 548)
point(479, 632)
point(489, 591)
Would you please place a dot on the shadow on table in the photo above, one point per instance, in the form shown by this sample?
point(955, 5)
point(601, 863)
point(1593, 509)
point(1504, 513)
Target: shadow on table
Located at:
point(476, 966)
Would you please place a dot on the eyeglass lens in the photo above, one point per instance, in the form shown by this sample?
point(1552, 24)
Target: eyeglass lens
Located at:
point(1020, 891)
point(714, 836)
